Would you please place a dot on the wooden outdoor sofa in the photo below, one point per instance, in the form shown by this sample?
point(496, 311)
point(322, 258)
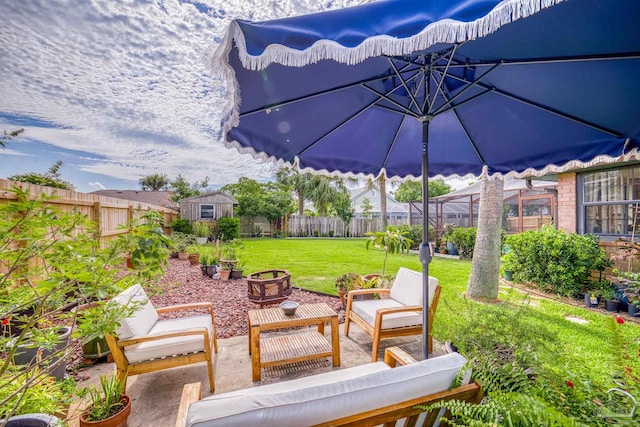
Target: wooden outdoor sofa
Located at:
point(366, 395)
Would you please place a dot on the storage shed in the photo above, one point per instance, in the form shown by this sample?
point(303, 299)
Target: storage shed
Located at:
point(207, 207)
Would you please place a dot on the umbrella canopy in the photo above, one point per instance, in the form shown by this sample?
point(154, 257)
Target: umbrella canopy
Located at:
point(442, 87)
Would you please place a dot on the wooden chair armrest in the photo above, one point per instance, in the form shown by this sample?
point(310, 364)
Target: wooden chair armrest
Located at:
point(190, 393)
point(395, 355)
point(161, 336)
point(355, 292)
point(383, 311)
point(182, 307)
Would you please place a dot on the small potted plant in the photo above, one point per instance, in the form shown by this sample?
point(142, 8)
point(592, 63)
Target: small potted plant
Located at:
point(345, 283)
point(180, 241)
point(611, 302)
point(201, 231)
point(208, 263)
point(225, 272)
point(193, 254)
point(108, 405)
point(230, 253)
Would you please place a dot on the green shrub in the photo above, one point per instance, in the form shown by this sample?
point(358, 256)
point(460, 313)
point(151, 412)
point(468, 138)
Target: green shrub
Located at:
point(229, 228)
point(464, 239)
point(181, 225)
point(414, 233)
point(554, 260)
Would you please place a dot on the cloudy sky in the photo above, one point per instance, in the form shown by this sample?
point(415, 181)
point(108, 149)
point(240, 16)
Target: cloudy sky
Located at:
point(117, 89)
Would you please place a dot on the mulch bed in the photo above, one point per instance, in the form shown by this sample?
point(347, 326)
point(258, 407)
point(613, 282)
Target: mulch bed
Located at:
point(184, 283)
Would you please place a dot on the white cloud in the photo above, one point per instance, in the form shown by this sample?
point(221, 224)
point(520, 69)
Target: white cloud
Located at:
point(97, 186)
point(125, 81)
point(9, 152)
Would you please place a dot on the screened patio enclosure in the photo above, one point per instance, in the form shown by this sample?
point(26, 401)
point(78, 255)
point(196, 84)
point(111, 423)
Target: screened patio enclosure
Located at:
point(526, 205)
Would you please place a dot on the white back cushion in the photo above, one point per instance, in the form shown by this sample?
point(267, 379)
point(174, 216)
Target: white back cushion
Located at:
point(325, 402)
point(142, 320)
point(407, 287)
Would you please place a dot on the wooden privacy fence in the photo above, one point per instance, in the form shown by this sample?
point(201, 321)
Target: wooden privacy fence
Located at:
point(111, 215)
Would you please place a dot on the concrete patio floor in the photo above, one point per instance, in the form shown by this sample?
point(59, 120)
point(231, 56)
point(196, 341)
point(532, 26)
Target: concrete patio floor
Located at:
point(156, 396)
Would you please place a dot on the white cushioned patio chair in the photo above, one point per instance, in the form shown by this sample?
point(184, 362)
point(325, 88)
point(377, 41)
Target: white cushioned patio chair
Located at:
point(397, 314)
point(143, 343)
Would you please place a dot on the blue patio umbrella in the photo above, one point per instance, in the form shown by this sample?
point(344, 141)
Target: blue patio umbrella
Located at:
point(412, 88)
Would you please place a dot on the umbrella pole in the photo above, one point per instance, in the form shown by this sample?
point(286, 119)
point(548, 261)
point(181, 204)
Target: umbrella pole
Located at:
point(425, 250)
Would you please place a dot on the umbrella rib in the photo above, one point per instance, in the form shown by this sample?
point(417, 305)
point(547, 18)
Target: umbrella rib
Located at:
point(473, 144)
point(559, 59)
point(311, 95)
point(546, 109)
point(396, 103)
point(450, 101)
point(330, 131)
point(404, 84)
point(442, 77)
point(395, 139)
point(466, 101)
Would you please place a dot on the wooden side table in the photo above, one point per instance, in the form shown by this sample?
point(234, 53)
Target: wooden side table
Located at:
point(296, 346)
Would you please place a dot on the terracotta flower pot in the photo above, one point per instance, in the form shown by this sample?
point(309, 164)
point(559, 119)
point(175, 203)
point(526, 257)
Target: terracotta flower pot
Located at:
point(117, 420)
point(224, 274)
point(194, 259)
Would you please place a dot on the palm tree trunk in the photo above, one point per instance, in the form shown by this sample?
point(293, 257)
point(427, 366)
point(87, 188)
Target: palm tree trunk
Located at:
point(485, 266)
point(382, 181)
point(300, 204)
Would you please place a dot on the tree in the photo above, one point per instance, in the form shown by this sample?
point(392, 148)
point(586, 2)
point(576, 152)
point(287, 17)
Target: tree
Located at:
point(367, 207)
point(411, 191)
point(343, 208)
point(298, 182)
point(51, 178)
point(8, 136)
point(380, 184)
point(392, 240)
point(322, 192)
point(485, 266)
point(249, 195)
point(271, 200)
point(155, 182)
point(182, 188)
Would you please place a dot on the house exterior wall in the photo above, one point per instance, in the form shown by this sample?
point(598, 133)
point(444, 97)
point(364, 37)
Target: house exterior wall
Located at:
point(567, 202)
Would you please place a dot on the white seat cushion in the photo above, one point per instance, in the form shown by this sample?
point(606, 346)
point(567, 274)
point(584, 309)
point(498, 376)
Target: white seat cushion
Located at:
point(142, 320)
point(367, 309)
point(407, 287)
point(320, 403)
point(170, 346)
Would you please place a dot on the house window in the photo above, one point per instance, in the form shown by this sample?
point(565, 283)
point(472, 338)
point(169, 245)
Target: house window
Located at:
point(206, 212)
point(611, 201)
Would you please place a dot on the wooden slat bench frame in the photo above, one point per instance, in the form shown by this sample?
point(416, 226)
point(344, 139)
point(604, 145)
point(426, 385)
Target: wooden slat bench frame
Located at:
point(387, 415)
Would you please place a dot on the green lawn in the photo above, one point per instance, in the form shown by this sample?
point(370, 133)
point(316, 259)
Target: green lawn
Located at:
point(315, 264)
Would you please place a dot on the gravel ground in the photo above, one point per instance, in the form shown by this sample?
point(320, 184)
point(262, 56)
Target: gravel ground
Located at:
point(184, 283)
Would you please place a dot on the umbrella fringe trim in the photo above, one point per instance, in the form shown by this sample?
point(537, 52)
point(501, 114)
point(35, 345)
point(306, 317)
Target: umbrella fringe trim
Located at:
point(444, 31)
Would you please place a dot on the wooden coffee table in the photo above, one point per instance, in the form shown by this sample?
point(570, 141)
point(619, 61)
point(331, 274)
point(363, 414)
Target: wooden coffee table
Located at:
point(296, 346)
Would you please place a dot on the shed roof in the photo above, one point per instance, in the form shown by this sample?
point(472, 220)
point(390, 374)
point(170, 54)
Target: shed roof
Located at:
point(217, 197)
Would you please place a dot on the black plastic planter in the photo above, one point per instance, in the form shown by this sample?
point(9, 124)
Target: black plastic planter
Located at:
point(26, 355)
point(612, 305)
point(33, 420)
point(633, 311)
point(591, 302)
